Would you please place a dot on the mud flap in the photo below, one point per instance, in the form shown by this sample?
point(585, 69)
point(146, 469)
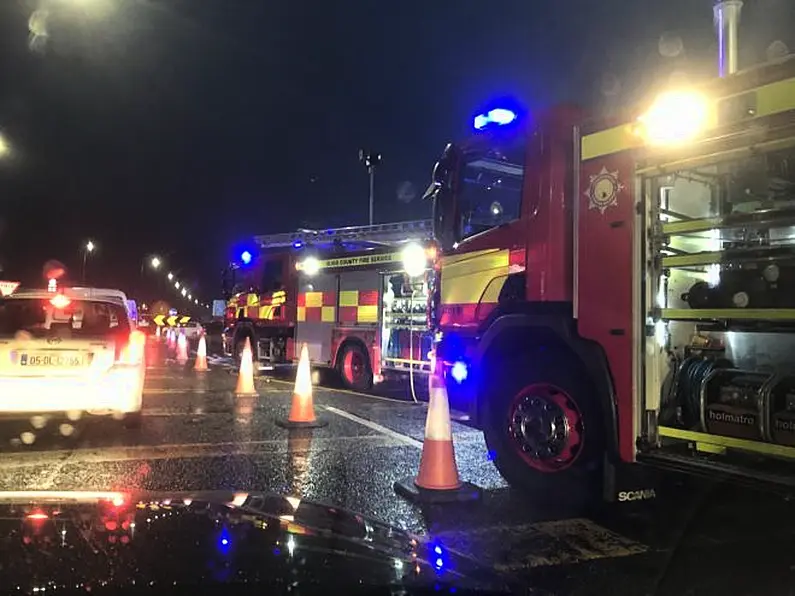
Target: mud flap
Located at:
point(629, 483)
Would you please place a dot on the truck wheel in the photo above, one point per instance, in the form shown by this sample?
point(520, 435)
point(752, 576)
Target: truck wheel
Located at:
point(354, 368)
point(542, 427)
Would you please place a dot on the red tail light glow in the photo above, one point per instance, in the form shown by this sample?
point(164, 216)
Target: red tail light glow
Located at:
point(60, 301)
point(37, 516)
point(133, 352)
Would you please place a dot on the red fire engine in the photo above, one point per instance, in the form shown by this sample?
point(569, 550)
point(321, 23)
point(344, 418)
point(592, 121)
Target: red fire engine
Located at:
point(625, 292)
point(357, 296)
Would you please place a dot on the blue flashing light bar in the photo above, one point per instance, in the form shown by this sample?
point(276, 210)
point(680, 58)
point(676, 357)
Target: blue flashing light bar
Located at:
point(495, 117)
point(245, 257)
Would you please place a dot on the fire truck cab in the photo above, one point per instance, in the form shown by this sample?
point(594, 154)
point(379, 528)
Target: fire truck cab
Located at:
point(356, 296)
point(624, 292)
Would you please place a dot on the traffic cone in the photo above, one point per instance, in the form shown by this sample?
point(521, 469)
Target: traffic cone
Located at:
point(171, 340)
point(201, 355)
point(302, 410)
point(182, 349)
point(245, 376)
point(437, 480)
point(157, 333)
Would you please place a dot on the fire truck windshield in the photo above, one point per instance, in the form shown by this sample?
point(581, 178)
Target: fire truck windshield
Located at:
point(490, 188)
point(477, 188)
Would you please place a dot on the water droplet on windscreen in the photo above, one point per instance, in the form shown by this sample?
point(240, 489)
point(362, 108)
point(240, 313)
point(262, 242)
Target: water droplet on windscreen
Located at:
point(670, 45)
point(776, 50)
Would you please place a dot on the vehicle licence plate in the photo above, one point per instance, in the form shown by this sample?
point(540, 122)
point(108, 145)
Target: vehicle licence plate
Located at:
point(53, 360)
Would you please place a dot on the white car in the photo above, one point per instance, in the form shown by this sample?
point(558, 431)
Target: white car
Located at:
point(70, 352)
point(192, 330)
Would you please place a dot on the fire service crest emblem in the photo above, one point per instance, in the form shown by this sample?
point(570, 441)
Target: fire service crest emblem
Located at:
point(603, 190)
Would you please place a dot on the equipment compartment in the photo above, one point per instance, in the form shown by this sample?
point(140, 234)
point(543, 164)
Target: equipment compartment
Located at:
point(721, 305)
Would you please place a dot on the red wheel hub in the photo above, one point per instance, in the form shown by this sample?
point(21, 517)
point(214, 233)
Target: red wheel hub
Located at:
point(353, 367)
point(545, 427)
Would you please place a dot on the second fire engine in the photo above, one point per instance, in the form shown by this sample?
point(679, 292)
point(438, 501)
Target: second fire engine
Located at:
point(357, 296)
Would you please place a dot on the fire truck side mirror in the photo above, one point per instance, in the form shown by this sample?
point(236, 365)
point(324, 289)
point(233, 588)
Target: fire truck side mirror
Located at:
point(444, 168)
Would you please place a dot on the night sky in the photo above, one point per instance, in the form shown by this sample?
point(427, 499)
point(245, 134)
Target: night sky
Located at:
point(181, 127)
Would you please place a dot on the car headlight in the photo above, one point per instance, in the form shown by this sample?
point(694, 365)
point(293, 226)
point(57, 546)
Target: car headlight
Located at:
point(675, 117)
point(414, 260)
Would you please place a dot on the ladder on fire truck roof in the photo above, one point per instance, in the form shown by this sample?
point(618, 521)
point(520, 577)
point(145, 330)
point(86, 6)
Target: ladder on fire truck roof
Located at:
point(384, 234)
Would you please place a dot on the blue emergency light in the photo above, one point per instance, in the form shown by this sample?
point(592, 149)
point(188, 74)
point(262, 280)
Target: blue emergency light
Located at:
point(495, 117)
point(245, 257)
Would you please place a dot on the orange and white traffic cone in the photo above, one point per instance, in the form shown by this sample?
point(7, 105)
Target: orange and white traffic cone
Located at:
point(438, 480)
point(302, 410)
point(201, 356)
point(245, 376)
point(182, 349)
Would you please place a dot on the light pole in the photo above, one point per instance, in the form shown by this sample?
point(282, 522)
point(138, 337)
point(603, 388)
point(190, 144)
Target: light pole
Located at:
point(370, 161)
point(88, 248)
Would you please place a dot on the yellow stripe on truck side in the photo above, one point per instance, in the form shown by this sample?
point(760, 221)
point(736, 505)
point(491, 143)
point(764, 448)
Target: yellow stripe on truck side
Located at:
point(772, 98)
point(327, 314)
point(610, 140)
point(465, 277)
point(301, 314)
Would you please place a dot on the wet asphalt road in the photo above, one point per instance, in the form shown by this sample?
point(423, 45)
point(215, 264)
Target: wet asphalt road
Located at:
point(698, 538)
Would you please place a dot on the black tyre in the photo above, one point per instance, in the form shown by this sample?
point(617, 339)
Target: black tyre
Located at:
point(543, 429)
point(354, 368)
point(132, 420)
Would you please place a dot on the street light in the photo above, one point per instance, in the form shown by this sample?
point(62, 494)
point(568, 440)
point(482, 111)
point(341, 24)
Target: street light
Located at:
point(176, 284)
point(370, 160)
point(190, 297)
point(170, 276)
point(184, 291)
point(5, 147)
point(155, 262)
point(88, 248)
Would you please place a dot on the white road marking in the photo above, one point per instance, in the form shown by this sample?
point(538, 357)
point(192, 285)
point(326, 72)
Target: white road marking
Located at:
point(58, 459)
point(154, 391)
point(192, 391)
point(405, 439)
point(391, 400)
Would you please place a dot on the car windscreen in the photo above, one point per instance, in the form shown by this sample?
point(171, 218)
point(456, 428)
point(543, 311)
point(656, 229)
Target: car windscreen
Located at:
point(64, 318)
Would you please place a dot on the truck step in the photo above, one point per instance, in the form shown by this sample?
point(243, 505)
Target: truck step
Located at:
point(776, 476)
